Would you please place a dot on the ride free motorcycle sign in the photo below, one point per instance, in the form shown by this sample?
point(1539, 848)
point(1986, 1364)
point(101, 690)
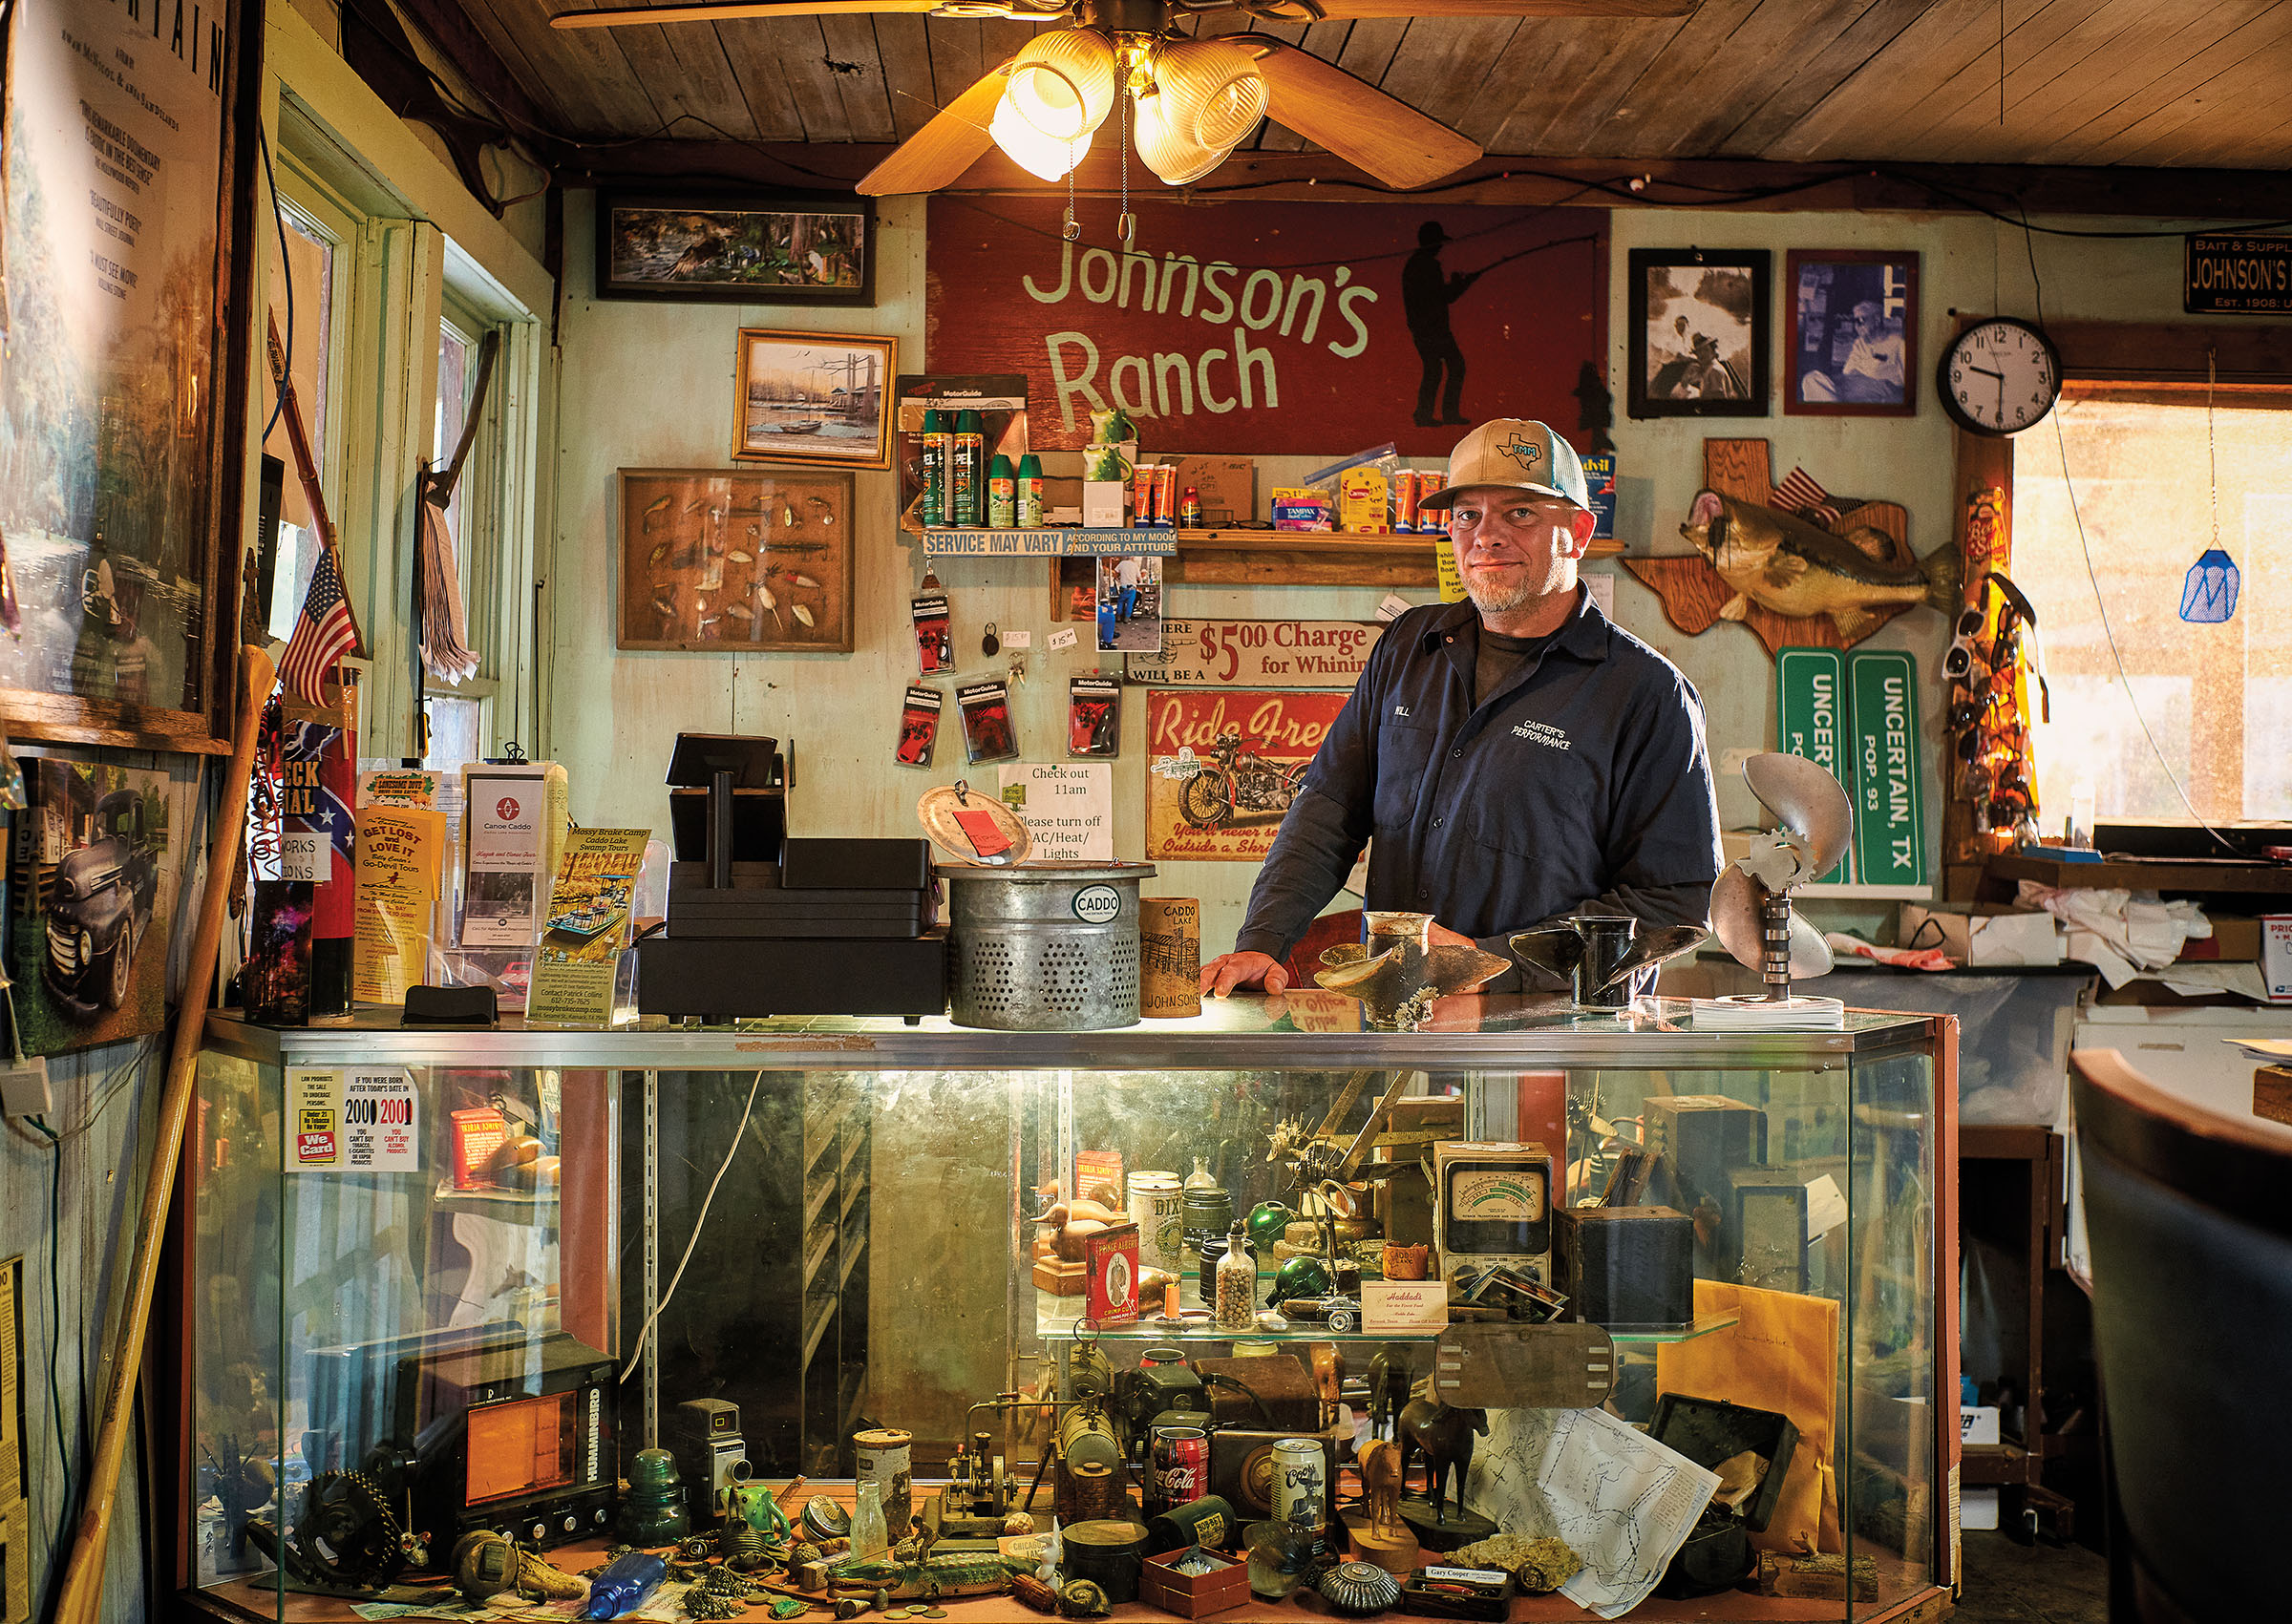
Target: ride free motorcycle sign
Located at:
point(1223, 766)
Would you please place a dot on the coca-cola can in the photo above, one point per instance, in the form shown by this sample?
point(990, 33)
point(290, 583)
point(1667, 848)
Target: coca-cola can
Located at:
point(1180, 1469)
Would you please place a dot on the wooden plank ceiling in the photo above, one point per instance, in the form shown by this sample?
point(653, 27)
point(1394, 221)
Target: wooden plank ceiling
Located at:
point(2144, 83)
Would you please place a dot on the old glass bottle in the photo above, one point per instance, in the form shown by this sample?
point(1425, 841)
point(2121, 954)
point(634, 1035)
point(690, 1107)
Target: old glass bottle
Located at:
point(869, 1531)
point(1236, 1282)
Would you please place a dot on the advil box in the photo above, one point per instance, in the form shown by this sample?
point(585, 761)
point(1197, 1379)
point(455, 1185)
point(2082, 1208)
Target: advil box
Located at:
point(2276, 955)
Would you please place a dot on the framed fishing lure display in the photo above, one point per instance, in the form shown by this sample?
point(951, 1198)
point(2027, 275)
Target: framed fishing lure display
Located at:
point(746, 560)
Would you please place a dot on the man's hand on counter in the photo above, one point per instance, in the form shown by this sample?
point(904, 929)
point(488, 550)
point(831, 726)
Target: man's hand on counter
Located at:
point(1222, 975)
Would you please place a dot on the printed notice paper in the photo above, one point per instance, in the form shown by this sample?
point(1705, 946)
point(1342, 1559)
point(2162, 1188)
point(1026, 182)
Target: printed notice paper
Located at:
point(1067, 808)
point(586, 927)
point(401, 851)
point(354, 1121)
point(1392, 1308)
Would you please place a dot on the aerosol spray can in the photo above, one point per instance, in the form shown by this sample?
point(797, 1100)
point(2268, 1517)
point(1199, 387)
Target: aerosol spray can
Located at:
point(937, 446)
point(965, 477)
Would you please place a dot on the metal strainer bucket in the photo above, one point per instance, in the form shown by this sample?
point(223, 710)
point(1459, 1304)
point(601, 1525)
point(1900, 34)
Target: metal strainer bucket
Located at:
point(1044, 947)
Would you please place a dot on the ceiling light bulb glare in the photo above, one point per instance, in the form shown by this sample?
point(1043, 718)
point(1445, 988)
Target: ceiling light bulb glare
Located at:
point(1214, 94)
point(1026, 146)
point(1063, 83)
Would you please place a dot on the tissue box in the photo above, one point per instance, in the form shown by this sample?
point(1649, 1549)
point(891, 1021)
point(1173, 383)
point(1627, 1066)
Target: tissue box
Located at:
point(1978, 934)
point(1102, 502)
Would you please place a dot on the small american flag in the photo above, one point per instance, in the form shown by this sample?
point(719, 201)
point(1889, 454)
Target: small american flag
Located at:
point(1800, 494)
point(323, 635)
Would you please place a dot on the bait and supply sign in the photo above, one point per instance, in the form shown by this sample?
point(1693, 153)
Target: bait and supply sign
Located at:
point(1256, 654)
point(1223, 767)
point(354, 1121)
point(1272, 329)
point(2232, 275)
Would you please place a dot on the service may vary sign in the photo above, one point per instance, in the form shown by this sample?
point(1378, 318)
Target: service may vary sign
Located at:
point(1257, 654)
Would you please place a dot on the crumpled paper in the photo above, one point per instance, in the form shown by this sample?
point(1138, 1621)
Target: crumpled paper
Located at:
point(2119, 933)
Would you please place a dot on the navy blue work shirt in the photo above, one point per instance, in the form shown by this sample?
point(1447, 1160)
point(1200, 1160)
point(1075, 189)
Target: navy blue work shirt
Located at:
point(1584, 773)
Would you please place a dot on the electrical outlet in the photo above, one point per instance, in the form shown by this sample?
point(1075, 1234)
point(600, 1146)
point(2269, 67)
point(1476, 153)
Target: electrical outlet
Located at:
point(24, 1089)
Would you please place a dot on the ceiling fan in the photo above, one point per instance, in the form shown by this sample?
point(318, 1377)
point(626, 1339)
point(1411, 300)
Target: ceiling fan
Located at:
point(1191, 99)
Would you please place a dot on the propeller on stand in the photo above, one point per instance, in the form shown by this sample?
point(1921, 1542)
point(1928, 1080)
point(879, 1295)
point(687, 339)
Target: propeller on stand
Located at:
point(1750, 904)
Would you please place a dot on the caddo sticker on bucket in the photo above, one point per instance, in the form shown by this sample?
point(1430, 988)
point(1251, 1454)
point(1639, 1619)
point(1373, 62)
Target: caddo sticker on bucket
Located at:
point(1096, 904)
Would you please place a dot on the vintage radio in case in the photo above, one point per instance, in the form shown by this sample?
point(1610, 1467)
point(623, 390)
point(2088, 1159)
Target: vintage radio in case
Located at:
point(515, 1435)
point(1703, 1139)
point(1491, 1203)
point(1241, 1468)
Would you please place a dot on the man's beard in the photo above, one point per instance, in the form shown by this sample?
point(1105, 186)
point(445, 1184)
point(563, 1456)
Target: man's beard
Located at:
point(1495, 598)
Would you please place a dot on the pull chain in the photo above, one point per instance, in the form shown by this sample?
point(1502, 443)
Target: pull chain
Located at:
point(1126, 227)
point(2212, 453)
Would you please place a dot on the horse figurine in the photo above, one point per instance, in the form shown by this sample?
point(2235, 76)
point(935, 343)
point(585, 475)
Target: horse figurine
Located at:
point(1388, 1389)
point(1381, 1486)
point(1444, 1433)
point(1329, 1378)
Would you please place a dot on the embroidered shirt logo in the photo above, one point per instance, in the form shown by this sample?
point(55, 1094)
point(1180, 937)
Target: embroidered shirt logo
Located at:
point(1400, 710)
point(1526, 452)
point(1541, 733)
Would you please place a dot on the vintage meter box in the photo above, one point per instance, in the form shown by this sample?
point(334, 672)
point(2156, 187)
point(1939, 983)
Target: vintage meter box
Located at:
point(1491, 1203)
point(1626, 1268)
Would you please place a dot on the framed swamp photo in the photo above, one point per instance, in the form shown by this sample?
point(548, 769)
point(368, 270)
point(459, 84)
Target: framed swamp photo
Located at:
point(822, 399)
point(741, 559)
point(1854, 333)
point(736, 248)
point(1696, 340)
point(129, 190)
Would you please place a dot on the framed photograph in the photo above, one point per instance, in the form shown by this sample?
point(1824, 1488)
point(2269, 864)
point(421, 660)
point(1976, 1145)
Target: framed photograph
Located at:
point(125, 388)
point(1854, 333)
point(743, 560)
point(822, 399)
point(1697, 338)
point(754, 248)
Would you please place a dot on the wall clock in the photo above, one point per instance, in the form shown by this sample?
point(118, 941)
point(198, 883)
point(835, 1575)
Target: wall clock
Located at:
point(2000, 377)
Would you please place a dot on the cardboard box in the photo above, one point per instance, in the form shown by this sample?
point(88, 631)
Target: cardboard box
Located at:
point(1979, 934)
point(2233, 941)
point(1112, 1257)
point(1227, 486)
point(1194, 1595)
point(2272, 1093)
point(2276, 955)
point(1978, 1509)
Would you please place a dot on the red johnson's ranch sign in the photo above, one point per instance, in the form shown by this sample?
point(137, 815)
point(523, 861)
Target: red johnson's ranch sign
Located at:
point(1300, 328)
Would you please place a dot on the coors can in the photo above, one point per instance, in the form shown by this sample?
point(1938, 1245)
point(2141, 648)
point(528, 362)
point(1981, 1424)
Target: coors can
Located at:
point(1180, 1467)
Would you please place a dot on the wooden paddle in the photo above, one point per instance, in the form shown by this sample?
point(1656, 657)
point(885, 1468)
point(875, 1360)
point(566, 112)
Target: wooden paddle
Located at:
point(82, 1597)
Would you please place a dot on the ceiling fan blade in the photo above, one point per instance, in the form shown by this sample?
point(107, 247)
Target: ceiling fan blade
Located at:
point(938, 154)
point(736, 11)
point(1359, 123)
point(1350, 11)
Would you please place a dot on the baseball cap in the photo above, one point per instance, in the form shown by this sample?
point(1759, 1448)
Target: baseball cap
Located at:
point(1517, 455)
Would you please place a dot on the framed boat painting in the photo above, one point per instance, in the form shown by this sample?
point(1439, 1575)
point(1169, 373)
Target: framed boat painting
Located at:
point(819, 398)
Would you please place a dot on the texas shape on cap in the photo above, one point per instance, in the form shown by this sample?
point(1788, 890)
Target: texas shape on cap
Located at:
point(1517, 455)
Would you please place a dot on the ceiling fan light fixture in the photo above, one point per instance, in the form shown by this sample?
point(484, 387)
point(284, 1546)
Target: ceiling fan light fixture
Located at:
point(1062, 83)
point(1047, 156)
point(1214, 94)
point(1171, 155)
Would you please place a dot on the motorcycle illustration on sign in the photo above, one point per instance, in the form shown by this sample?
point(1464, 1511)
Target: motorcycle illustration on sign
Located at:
point(1225, 767)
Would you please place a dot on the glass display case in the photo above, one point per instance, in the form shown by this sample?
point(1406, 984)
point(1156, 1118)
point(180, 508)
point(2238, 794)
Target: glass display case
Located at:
point(443, 1281)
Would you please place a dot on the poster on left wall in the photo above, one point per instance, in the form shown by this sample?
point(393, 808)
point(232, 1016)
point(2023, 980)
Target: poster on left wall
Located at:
point(115, 167)
point(94, 882)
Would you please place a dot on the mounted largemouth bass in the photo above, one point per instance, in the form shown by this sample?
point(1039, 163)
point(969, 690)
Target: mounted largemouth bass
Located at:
point(1783, 563)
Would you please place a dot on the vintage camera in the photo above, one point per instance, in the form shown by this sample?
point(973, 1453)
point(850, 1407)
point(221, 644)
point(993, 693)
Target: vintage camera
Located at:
point(704, 1435)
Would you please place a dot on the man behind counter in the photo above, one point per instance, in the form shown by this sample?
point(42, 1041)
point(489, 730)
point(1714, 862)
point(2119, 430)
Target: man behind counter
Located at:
point(1518, 757)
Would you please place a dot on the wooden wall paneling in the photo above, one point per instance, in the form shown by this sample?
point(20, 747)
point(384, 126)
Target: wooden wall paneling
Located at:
point(1961, 78)
point(999, 38)
point(2088, 140)
point(856, 63)
point(751, 50)
point(1816, 76)
point(2227, 119)
point(904, 43)
point(705, 87)
point(1654, 95)
point(958, 59)
point(1369, 50)
point(2112, 55)
point(797, 45)
point(2063, 39)
point(605, 94)
point(1324, 40)
point(1893, 85)
point(1440, 65)
point(1565, 123)
point(1531, 65)
point(1711, 101)
point(449, 25)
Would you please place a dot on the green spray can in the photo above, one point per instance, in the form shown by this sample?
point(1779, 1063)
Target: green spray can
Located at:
point(966, 477)
point(938, 445)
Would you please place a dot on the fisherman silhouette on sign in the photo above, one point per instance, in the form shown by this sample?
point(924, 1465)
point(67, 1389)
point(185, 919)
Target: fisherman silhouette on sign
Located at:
point(1426, 296)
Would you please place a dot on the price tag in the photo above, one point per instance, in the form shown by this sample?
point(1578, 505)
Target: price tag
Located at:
point(1063, 638)
point(1018, 639)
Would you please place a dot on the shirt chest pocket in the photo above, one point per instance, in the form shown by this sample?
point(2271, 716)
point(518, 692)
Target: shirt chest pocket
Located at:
point(1404, 757)
point(1545, 804)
